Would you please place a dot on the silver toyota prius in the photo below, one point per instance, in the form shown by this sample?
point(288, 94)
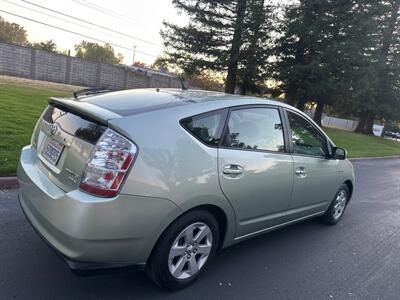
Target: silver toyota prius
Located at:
point(161, 179)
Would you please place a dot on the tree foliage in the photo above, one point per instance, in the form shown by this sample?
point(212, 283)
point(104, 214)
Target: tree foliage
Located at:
point(223, 36)
point(161, 64)
point(100, 53)
point(140, 64)
point(338, 53)
point(341, 53)
point(257, 47)
point(12, 33)
point(48, 45)
point(313, 52)
point(205, 81)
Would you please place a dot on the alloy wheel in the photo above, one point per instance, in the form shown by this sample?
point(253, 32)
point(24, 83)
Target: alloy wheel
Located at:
point(190, 250)
point(340, 204)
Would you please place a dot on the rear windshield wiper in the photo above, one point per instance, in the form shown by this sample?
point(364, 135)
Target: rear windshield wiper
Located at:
point(87, 92)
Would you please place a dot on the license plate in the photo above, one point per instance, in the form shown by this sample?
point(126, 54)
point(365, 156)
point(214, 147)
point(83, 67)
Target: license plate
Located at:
point(53, 151)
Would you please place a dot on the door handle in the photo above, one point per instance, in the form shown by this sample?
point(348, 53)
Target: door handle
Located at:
point(233, 169)
point(301, 172)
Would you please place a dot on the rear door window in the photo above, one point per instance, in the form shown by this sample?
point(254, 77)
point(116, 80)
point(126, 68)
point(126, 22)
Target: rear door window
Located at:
point(255, 129)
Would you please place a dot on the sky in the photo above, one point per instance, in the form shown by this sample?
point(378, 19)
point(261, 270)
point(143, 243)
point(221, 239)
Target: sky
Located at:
point(141, 19)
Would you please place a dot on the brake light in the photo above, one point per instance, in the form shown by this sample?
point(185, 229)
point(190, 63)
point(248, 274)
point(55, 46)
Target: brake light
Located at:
point(108, 164)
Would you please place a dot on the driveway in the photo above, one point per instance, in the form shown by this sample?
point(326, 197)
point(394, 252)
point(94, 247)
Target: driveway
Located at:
point(357, 259)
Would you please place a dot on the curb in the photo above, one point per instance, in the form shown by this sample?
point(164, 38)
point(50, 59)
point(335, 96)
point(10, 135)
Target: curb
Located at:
point(8, 183)
point(371, 158)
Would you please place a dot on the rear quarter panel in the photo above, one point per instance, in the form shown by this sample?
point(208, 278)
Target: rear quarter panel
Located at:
point(172, 164)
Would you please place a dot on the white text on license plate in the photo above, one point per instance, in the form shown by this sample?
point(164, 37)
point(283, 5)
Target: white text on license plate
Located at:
point(53, 150)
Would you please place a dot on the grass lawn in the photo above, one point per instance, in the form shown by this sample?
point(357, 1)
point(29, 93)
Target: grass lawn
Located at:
point(360, 145)
point(20, 107)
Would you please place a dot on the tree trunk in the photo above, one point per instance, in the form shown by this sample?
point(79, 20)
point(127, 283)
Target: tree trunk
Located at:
point(369, 125)
point(251, 61)
point(318, 113)
point(290, 94)
point(301, 103)
point(361, 122)
point(290, 100)
point(235, 48)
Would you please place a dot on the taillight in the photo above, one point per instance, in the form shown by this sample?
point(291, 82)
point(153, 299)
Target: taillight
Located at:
point(108, 164)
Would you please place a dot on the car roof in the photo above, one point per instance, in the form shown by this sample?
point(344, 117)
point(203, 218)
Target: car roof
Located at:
point(130, 102)
point(183, 103)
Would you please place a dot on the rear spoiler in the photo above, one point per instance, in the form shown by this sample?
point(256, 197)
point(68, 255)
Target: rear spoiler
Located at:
point(90, 110)
point(87, 92)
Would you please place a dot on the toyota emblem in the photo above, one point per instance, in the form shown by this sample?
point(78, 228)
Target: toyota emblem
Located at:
point(53, 129)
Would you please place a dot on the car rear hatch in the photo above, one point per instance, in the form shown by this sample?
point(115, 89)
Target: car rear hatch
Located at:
point(64, 138)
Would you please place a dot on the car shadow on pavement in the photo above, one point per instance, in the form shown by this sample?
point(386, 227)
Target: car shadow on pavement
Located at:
point(266, 265)
point(243, 266)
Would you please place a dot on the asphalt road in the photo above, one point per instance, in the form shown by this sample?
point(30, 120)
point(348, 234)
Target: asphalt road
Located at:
point(357, 259)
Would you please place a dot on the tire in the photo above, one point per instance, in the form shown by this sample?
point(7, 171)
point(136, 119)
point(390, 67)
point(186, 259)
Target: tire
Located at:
point(332, 216)
point(176, 272)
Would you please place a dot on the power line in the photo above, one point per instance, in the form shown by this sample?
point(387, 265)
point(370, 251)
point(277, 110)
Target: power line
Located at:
point(65, 20)
point(104, 10)
point(90, 23)
point(76, 33)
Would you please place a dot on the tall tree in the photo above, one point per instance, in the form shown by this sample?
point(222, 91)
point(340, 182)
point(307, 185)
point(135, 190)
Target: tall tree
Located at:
point(309, 62)
point(378, 94)
point(388, 95)
point(257, 46)
point(212, 40)
point(236, 43)
point(12, 33)
point(101, 53)
point(332, 50)
point(300, 64)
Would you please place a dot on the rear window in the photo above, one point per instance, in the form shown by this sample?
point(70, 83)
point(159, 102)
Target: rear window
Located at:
point(206, 127)
point(78, 126)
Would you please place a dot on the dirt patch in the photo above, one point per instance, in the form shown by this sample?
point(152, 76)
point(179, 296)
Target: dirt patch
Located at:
point(39, 84)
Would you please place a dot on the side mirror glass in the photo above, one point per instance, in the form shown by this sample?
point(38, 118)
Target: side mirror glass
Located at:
point(339, 153)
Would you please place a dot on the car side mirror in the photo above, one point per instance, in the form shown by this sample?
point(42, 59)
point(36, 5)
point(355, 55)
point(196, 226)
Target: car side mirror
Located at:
point(339, 153)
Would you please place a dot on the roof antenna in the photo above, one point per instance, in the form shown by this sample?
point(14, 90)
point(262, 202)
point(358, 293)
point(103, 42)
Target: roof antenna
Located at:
point(182, 83)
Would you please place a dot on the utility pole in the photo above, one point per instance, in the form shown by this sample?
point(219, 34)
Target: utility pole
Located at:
point(134, 52)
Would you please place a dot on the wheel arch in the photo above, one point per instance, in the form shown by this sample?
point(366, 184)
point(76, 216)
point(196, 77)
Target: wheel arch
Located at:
point(225, 224)
point(221, 218)
point(350, 185)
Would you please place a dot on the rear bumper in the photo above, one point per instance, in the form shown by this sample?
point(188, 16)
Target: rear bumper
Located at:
point(89, 232)
point(79, 265)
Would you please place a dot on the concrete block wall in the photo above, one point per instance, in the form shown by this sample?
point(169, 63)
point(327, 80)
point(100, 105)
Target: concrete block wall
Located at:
point(43, 65)
point(15, 61)
point(50, 66)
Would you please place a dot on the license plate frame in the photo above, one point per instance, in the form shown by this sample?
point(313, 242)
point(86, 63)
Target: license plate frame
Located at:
point(52, 151)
